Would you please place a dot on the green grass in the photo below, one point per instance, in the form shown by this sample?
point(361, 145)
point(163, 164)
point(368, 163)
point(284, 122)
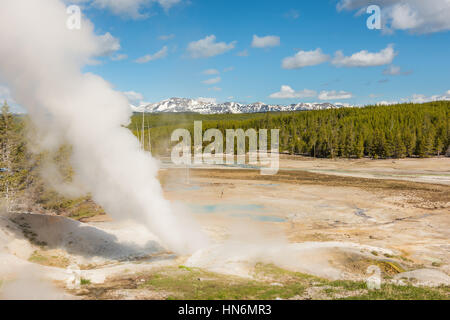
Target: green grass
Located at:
point(196, 284)
point(85, 282)
point(395, 292)
point(38, 258)
point(273, 282)
point(45, 258)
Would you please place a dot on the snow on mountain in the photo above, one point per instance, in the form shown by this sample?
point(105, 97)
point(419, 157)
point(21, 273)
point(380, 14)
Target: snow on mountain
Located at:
point(209, 106)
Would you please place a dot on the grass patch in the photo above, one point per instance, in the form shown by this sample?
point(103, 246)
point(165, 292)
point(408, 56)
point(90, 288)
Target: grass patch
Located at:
point(85, 282)
point(185, 268)
point(395, 292)
point(269, 283)
point(46, 258)
point(196, 284)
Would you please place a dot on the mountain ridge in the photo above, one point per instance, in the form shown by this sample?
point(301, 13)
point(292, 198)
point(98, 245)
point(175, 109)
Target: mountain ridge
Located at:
point(208, 106)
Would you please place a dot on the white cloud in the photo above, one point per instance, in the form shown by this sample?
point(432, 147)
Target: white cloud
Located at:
point(166, 37)
point(150, 57)
point(126, 8)
point(305, 59)
point(215, 89)
point(403, 17)
point(265, 42)
point(207, 100)
point(395, 71)
point(416, 16)
point(129, 8)
point(421, 98)
point(211, 72)
point(386, 103)
point(108, 44)
point(167, 4)
point(212, 80)
point(243, 53)
point(208, 47)
point(119, 56)
point(228, 69)
point(134, 98)
point(365, 59)
point(334, 95)
point(287, 92)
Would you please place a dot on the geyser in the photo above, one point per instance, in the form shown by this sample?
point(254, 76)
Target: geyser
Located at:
point(41, 60)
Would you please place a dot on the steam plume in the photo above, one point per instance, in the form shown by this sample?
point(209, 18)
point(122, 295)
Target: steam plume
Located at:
point(41, 60)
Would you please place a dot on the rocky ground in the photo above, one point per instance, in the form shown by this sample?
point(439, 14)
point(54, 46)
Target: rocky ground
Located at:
point(301, 234)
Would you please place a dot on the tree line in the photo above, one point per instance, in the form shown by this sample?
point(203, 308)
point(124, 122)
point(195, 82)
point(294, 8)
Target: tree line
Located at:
point(396, 131)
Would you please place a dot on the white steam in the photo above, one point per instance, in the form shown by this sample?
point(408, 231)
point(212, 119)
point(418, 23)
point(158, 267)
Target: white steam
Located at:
point(41, 61)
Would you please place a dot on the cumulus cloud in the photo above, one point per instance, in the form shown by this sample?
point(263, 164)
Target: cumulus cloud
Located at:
point(365, 59)
point(386, 103)
point(108, 44)
point(395, 71)
point(208, 47)
point(416, 16)
point(212, 80)
point(334, 95)
point(134, 9)
point(287, 92)
point(421, 98)
point(305, 59)
point(167, 4)
point(133, 97)
point(126, 8)
point(151, 57)
point(211, 72)
point(265, 42)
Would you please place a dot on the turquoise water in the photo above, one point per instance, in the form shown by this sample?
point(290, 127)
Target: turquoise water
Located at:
point(226, 208)
point(216, 208)
point(259, 218)
point(267, 185)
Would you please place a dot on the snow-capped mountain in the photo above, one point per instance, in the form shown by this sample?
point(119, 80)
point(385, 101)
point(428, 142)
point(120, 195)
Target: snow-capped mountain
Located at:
point(207, 106)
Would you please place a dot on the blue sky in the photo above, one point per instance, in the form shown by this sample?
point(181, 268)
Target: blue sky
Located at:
point(407, 60)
